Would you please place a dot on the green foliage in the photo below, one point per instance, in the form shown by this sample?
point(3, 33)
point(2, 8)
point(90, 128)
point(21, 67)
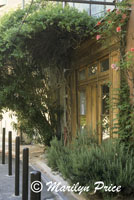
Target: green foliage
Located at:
point(49, 30)
point(121, 99)
point(86, 164)
point(83, 138)
point(125, 112)
point(54, 152)
point(35, 45)
point(125, 117)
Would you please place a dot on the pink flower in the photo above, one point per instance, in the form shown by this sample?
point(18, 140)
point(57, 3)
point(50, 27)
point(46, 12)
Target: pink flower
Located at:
point(98, 37)
point(118, 12)
point(118, 29)
point(114, 66)
point(98, 23)
point(108, 10)
point(132, 49)
point(124, 16)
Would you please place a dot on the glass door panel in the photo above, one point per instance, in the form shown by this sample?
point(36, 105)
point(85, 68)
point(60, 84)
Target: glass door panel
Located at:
point(105, 111)
point(82, 109)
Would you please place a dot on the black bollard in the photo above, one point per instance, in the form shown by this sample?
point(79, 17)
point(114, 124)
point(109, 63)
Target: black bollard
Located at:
point(25, 174)
point(21, 137)
point(36, 185)
point(9, 153)
point(3, 146)
point(17, 165)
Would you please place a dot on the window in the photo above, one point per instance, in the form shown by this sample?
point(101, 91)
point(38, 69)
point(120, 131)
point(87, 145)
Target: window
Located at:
point(81, 7)
point(95, 10)
point(82, 102)
point(92, 70)
point(82, 75)
point(104, 65)
point(105, 112)
point(105, 97)
point(82, 109)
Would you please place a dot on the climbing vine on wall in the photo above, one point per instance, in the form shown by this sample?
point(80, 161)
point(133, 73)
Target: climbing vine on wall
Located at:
point(114, 28)
point(126, 103)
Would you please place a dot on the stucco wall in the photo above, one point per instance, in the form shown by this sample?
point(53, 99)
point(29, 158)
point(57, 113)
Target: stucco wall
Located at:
point(11, 4)
point(7, 122)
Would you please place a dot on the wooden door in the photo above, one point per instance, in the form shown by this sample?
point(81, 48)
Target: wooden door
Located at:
point(97, 115)
point(92, 107)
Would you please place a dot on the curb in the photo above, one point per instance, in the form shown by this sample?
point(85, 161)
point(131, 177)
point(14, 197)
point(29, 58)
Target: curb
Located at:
point(48, 175)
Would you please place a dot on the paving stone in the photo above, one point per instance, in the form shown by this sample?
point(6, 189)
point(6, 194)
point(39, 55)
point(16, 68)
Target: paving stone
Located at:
point(7, 184)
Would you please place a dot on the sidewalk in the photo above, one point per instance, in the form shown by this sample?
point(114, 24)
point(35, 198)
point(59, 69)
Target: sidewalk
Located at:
point(38, 162)
point(7, 185)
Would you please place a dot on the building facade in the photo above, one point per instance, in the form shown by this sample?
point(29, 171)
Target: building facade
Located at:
point(94, 84)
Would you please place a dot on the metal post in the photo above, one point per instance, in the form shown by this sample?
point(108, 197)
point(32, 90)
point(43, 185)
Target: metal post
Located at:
point(25, 174)
point(17, 165)
point(9, 153)
point(3, 146)
point(36, 185)
point(21, 137)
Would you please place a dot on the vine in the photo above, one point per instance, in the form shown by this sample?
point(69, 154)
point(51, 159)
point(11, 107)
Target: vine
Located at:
point(34, 50)
point(113, 28)
point(126, 104)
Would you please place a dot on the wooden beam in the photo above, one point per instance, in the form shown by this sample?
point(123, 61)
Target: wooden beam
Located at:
point(87, 2)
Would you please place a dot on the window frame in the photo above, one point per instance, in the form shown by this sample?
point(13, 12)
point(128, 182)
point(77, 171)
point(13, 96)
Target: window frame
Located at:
point(78, 99)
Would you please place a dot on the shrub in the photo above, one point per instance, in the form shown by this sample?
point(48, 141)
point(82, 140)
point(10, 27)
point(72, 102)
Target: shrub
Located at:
point(86, 164)
point(54, 153)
